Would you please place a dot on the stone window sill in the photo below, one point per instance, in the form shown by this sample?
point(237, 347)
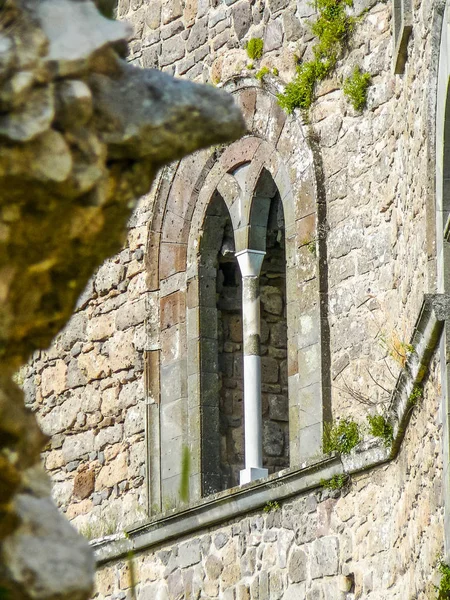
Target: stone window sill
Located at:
point(231, 503)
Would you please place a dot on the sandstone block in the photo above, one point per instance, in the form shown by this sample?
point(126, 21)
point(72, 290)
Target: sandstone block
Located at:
point(84, 483)
point(189, 553)
point(94, 365)
point(54, 379)
point(107, 436)
point(213, 567)
point(171, 9)
point(61, 418)
point(113, 473)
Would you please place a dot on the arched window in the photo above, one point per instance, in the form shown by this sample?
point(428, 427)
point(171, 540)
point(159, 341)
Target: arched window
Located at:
point(239, 288)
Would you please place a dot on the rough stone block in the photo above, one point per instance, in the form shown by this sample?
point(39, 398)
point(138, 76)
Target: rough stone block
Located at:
point(325, 557)
point(273, 439)
point(172, 49)
point(78, 445)
point(297, 566)
point(198, 35)
point(171, 9)
point(269, 370)
point(242, 16)
point(84, 484)
point(189, 553)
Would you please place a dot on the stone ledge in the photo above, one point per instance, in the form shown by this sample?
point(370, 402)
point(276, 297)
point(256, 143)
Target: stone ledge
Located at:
point(427, 331)
point(229, 504)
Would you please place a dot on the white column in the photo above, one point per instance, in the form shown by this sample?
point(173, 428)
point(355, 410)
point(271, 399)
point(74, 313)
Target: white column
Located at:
point(250, 262)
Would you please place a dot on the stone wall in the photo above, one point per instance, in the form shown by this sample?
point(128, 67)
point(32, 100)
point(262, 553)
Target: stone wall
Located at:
point(116, 389)
point(377, 539)
point(374, 210)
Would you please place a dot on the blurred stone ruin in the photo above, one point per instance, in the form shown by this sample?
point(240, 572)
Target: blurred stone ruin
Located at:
point(82, 135)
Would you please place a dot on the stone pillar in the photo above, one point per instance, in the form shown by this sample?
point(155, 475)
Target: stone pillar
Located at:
point(250, 262)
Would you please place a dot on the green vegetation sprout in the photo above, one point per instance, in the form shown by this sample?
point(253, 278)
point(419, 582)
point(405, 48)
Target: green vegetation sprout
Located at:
point(380, 427)
point(262, 73)
point(341, 437)
point(415, 395)
point(254, 48)
point(444, 587)
point(271, 506)
point(337, 482)
point(333, 27)
point(355, 88)
point(275, 72)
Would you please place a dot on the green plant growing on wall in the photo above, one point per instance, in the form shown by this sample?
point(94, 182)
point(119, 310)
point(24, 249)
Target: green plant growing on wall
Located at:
point(355, 88)
point(337, 482)
point(275, 72)
point(443, 590)
point(262, 73)
point(254, 48)
point(380, 427)
point(271, 505)
point(333, 28)
point(341, 437)
point(415, 396)
point(249, 66)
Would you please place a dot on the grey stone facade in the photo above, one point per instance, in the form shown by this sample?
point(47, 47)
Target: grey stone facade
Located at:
point(140, 376)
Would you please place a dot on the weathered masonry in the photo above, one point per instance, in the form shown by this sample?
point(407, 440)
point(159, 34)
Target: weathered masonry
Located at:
point(295, 278)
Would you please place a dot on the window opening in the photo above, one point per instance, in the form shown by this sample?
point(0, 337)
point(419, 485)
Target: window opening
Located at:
point(274, 386)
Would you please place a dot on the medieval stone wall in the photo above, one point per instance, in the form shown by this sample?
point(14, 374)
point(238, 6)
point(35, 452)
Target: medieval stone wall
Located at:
point(375, 186)
point(367, 236)
point(376, 540)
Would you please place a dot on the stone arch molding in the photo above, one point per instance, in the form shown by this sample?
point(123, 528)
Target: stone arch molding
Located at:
point(275, 152)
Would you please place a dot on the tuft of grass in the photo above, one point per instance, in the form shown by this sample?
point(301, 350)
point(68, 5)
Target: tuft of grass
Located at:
point(262, 73)
point(250, 66)
point(254, 48)
point(333, 28)
point(271, 506)
point(415, 396)
point(340, 437)
point(398, 349)
point(443, 590)
point(337, 482)
point(275, 72)
point(355, 88)
point(380, 427)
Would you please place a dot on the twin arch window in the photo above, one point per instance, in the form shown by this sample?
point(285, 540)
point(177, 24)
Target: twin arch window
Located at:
point(236, 357)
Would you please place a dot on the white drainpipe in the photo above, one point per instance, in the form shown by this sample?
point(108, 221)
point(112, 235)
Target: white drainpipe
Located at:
point(250, 262)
